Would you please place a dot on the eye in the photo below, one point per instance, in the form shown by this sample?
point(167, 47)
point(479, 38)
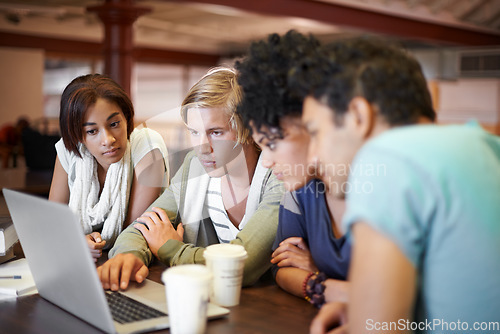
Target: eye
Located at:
point(115, 124)
point(271, 145)
point(217, 133)
point(91, 132)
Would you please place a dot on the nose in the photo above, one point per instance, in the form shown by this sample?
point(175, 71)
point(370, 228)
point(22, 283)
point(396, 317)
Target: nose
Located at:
point(312, 157)
point(107, 138)
point(204, 145)
point(314, 166)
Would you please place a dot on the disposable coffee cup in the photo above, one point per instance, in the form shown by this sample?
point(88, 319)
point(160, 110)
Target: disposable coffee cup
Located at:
point(188, 290)
point(226, 262)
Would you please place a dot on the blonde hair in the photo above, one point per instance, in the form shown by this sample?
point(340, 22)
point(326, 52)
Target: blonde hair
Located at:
point(218, 88)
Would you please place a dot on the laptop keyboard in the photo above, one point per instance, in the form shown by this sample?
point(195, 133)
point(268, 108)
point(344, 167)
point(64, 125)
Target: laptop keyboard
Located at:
point(125, 309)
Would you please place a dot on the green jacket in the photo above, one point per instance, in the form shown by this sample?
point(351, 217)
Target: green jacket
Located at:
point(257, 236)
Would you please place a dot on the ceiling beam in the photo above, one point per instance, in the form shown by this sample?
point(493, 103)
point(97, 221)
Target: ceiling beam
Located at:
point(93, 50)
point(375, 22)
point(64, 46)
point(150, 55)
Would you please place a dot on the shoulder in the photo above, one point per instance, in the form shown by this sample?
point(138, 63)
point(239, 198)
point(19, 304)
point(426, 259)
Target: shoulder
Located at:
point(146, 136)
point(426, 149)
point(143, 141)
point(272, 188)
point(190, 155)
point(191, 161)
point(290, 202)
point(423, 140)
point(269, 180)
point(305, 198)
point(60, 148)
point(189, 167)
point(66, 158)
point(310, 191)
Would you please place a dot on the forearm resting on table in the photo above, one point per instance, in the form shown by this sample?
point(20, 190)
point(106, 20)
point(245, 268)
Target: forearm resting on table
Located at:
point(291, 279)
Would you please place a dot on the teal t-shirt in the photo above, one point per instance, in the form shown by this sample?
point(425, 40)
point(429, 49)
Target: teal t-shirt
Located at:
point(435, 192)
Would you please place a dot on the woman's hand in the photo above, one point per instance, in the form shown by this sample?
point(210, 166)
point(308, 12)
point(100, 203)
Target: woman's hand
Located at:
point(157, 229)
point(293, 252)
point(96, 244)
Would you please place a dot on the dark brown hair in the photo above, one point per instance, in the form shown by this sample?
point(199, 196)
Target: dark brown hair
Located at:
point(82, 93)
point(383, 73)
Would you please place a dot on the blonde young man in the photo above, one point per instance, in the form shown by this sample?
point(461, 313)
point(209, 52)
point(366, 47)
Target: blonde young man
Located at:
point(221, 194)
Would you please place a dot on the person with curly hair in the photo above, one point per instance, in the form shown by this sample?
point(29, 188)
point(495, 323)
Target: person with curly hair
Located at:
point(308, 239)
point(105, 170)
point(419, 196)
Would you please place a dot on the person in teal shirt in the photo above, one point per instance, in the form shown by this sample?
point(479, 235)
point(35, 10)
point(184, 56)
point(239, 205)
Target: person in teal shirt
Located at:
point(422, 201)
point(437, 200)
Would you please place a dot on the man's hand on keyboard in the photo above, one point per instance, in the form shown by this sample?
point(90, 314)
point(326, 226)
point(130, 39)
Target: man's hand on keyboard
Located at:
point(118, 271)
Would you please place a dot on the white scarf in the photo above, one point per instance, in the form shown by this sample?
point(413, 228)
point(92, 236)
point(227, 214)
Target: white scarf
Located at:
point(110, 209)
point(194, 210)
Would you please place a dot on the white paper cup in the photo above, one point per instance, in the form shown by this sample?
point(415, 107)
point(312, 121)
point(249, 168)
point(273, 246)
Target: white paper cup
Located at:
point(226, 262)
point(188, 291)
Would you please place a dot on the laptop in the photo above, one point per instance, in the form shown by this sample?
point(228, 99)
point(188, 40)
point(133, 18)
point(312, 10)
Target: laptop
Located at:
point(65, 274)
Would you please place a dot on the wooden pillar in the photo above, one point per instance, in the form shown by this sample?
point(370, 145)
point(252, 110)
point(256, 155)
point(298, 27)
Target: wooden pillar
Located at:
point(118, 17)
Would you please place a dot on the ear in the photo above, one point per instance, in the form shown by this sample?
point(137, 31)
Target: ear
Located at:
point(361, 117)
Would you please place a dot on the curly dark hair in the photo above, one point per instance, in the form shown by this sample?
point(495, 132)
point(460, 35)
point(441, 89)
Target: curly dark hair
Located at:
point(263, 76)
point(82, 93)
point(385, 75)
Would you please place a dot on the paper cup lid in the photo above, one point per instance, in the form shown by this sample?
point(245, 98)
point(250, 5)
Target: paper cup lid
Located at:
point(225, 250)
point(195, 272)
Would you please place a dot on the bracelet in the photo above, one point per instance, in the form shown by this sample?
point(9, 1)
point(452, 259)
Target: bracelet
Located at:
point(315, 289)
point(304, 284)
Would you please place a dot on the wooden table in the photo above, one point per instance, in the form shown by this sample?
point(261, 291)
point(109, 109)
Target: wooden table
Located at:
point(264, 308)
